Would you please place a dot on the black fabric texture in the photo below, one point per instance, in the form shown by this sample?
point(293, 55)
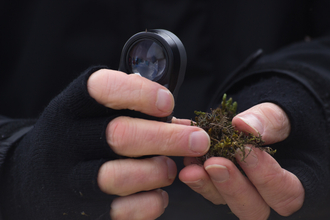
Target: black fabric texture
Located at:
point(296, 78)
point(8, 127)
point(7, 144)
point(67, 145)
point(51, 172)
point(308, 153)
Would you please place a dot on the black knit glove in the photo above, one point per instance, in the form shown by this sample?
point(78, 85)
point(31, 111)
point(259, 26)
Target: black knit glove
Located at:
point(52, 172)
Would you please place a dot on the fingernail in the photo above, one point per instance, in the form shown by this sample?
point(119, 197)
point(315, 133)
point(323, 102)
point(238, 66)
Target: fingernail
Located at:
point(253, 122)
point(165, 197)
point(218, 173)
point(165, 101)
point(115, 208)
point(199, 142)
point(171, 169)
point(195, 184)
point(250, 158)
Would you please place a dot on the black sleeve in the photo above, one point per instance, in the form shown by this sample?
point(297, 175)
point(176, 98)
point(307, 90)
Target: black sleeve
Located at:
point(11, 131)
point(297, 79)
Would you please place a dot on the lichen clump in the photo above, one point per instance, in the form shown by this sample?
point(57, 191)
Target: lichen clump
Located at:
point(225, 139)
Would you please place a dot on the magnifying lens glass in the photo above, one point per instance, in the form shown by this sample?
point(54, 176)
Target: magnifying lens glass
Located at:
point(158, 55)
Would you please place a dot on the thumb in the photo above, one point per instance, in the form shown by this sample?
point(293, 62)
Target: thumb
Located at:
point(75, 101)
point(266, 119)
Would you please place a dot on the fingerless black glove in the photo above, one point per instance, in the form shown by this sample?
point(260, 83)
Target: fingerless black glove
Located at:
point(52, 172)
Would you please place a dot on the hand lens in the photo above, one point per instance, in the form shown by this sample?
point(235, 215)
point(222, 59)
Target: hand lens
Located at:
point(158, 55)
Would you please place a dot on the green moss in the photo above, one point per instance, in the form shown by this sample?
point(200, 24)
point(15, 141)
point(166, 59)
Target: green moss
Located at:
point(225, 139)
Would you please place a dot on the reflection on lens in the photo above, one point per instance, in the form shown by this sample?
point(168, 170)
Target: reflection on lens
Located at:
point(147, 58)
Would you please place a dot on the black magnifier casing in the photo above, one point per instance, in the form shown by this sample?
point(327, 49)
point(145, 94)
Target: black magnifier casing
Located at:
point(158, 55)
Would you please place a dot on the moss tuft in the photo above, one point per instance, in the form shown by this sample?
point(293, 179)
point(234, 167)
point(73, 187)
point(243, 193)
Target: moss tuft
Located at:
point(225, 139)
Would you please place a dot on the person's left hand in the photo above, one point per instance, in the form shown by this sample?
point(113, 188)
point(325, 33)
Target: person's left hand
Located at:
point(266, 186)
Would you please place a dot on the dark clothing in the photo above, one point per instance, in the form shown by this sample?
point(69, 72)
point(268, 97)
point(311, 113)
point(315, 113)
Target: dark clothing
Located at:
point(47, 44)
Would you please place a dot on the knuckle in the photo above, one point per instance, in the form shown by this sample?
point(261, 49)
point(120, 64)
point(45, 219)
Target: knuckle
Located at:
point(104, 85)
point(164, 137)
point(116, 132)
point(291, 197)
point(288, 206)
point(280, 120)
point(116, 93)
point(284, 195)
point(146, 205)
point(109, 180)
point(155, 205)
point(155, 173)
point(236, 191)
point(135, 90)
point(270, 178)
point(172, 137)
point(93, 84)
point(211, 195)
point(117, 90)
point(168, 169)
point(276, 116)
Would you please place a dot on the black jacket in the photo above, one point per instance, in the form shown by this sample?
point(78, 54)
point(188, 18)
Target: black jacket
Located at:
point(46, 44)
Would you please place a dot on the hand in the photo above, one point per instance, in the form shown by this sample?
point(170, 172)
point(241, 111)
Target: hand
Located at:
point(133, 137)
point(266, 186)
point(69, 162)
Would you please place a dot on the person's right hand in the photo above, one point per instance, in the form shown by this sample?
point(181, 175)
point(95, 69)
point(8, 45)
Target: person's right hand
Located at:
point(79, 157)
point(134, 137)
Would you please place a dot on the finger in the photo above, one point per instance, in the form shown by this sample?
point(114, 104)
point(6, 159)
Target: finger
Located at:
point(136, 137)
point(181, 121)
point(144, 206)
point(127, 176)
point(118, 90)
point(266, 119)
point(280, 188)
point(238, 192)
point(198, 180)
